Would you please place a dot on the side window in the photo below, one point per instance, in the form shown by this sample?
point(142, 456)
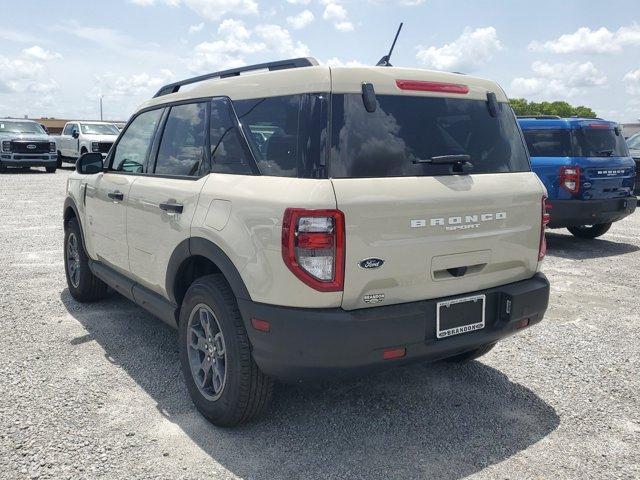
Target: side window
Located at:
point(227, 153)
point(67, 129)
point(132, 149)
point(182, 146)
point(272, 126)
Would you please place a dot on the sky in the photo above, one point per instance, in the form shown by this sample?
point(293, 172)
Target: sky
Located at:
point(58, 58)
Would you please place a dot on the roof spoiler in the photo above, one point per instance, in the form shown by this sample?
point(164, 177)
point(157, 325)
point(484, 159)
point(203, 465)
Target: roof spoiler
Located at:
point(541, 117)
point(234, 72)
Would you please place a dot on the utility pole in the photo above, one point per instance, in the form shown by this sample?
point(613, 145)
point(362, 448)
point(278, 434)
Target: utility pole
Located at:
point(101, 107)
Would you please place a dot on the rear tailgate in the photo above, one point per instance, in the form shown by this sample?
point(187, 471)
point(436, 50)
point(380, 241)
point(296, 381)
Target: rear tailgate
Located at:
point(607, 177)
point(437, 236)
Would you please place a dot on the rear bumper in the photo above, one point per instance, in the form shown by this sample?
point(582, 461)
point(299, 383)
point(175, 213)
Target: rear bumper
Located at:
point(573, 213)
point(305, 344)
point(26, 160)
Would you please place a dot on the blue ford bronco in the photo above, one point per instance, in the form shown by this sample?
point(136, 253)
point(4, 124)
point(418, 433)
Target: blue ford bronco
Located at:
point(587, 169)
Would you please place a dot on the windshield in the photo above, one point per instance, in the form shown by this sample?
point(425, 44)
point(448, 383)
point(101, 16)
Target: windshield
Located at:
point(20, 127)
point(601, 142)
point(99, 129)
point(404, 134)
point(634, 142)
point(549, 143)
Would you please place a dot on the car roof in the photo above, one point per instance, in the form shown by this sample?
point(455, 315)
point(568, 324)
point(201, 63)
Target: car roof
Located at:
point(17, 120)
point(318, 79)
point(546, 122)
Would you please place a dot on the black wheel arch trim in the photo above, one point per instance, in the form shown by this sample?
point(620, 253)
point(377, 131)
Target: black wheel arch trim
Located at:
point(198, 246)
point(69, 203)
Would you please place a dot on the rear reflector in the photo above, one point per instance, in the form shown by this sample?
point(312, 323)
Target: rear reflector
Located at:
point(391, 353)
point(421, 86)
point(261, 325)
point(522, 323)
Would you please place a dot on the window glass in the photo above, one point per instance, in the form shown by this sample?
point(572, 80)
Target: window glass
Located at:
point(182, 146)
point(227, 152)
point(68, 129)
point(405, 132)
point(99, 129)
point(634, 142)
point(20, 127)
point(132, 149)
point(272, 129)
point(549, 143)
point(601, 142)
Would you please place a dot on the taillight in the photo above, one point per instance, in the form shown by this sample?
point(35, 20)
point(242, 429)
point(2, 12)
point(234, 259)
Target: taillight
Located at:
point(570, 179)
point(313, 247)
point(542, 250)
point(422, 86)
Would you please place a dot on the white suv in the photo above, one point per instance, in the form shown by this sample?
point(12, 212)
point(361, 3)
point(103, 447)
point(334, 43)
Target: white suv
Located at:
point(307, 221)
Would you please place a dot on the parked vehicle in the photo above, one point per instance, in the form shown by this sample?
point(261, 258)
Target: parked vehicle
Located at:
point(25, 144)
point(634, 150)
point(587, 170)
point(78, 138)
point(307, 222)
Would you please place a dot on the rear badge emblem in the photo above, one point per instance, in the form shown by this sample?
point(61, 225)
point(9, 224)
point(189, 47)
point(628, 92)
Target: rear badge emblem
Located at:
point(371, 263)
point(373, 298)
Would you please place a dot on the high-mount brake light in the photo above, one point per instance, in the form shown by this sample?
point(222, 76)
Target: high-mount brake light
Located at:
point(422, 86)
point(313, 247)
point(603, 126)
point(542, 250)
point(569, 178)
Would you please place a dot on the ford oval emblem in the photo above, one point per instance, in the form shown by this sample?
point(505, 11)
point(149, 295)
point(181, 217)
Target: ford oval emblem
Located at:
point(371, 263)
point(31, 146)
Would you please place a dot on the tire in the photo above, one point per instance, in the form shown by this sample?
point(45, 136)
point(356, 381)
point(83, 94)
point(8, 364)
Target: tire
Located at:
point(3, 167)
point(243, 392)
point(471, 355)
point(51, 169)
point(60, 158)
point(590, 231)
point(85, 286)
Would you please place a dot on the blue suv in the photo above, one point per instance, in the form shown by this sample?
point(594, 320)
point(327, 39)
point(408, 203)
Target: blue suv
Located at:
point(586, 167)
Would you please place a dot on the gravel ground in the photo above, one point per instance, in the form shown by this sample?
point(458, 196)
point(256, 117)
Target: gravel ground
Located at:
point(94, 391)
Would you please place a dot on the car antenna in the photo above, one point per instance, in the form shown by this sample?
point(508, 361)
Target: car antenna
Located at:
point(384, 61)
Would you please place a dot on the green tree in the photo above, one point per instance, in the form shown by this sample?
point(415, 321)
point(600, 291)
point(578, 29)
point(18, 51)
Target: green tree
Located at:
point(563, 109)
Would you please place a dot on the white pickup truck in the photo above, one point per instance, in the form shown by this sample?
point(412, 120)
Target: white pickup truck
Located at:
point(78, 138)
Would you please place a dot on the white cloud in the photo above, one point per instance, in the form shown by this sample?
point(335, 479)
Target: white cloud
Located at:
point(209, 9)
point(24, 74)
point(136, 85)
point(336, 62)
point(558, 80)
point(278, 39)
point(406, 3)
point(632, 80)
point(470, 51)
point(39, 53)
point(338, 15)
point(585, 40)
point(303, 19)
point(196, 28)
point(299, 2)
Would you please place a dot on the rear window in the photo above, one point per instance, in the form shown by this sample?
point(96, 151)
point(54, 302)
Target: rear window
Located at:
point(404, 130)
point(600, 142)
point(549, 143)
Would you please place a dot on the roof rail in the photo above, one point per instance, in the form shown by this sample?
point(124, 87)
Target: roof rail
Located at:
point(541, 117)
point(234, 72)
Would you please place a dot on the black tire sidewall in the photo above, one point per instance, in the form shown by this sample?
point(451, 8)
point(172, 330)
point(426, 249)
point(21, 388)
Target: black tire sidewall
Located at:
point(591, 232)
point(222, 410)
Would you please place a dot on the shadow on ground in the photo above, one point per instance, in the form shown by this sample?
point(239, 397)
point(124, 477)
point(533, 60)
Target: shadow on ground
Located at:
point(568, 246)
point(434, 421)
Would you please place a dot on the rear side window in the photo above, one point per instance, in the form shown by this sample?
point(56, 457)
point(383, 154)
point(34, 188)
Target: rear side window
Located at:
point(600, 142)
point(131, 151)
point(404, 130)
point(182, 146)
point(549, 143)
point(227, 152)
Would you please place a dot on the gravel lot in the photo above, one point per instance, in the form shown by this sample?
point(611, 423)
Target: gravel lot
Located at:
point(95, 391)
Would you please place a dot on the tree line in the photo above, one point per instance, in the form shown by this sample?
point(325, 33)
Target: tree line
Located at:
point(562, 109)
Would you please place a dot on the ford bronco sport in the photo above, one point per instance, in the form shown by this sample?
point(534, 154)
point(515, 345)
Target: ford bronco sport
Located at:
point(587, 170)
point(305, 222)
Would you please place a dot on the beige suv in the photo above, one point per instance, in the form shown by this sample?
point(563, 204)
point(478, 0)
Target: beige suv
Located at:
point(297, 222)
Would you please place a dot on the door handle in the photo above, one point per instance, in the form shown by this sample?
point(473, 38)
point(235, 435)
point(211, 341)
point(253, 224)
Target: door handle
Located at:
point(171, 207)
point(118, 196)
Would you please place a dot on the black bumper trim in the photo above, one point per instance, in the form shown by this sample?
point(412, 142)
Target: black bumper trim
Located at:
point(305, 344)
point(574, 213)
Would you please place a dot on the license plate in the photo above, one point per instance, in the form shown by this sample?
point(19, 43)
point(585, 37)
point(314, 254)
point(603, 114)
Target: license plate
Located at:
point(460, 315)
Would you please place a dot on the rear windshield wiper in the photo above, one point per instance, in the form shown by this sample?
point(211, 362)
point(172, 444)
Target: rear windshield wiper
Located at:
point(460, 162)
point(605, 153)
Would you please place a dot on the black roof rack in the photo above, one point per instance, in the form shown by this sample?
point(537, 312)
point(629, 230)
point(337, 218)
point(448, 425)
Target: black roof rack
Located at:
point(541, 117)
point(234, 72)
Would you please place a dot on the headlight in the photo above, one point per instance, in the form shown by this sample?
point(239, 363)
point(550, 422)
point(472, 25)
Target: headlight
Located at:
point(95, 147)
point(6, 145)
point(52, 147)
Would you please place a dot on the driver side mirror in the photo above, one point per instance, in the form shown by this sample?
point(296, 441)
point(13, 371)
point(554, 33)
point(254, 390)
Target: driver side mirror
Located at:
point(75, 134)
point(90, 163)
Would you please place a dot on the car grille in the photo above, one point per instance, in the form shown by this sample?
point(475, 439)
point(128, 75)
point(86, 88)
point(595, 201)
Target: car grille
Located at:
point(104, 147)
point(29, 147)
